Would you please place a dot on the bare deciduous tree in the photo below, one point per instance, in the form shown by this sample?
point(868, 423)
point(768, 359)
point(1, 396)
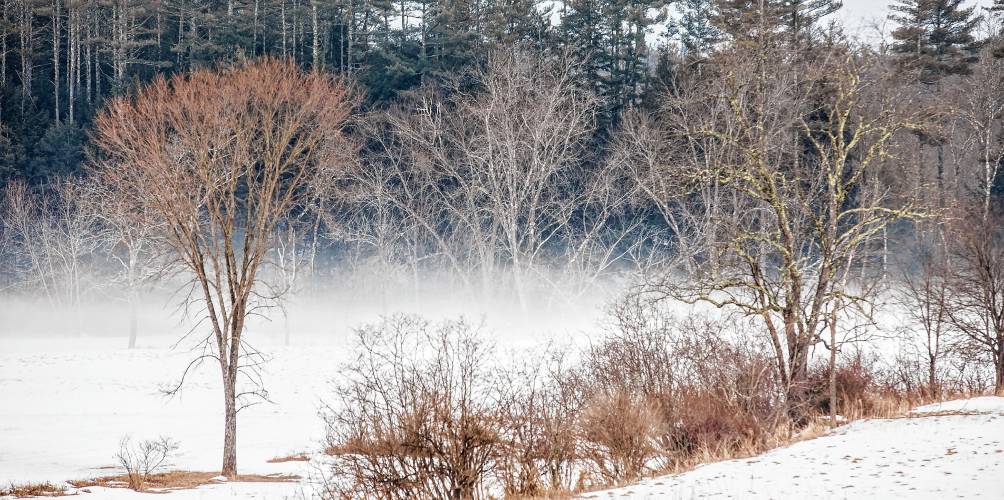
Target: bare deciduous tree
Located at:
point(977, 299)
point(223, 158)
point(798, 216)
point(502, 159)
point(925, 293)
point(133, 238)
point(54, 236)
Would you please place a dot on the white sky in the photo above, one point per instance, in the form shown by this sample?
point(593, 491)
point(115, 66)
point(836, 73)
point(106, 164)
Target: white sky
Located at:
point(860, 16)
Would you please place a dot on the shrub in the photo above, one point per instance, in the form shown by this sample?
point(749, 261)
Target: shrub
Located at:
point(661, 391)
point(539, 416)
point(620, 434)
point(144, 458)
point(856, 386)
point(31, 490)
point(417, 413)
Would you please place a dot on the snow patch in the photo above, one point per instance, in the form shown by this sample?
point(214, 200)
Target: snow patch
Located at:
point(925, 457)
point(984, 404)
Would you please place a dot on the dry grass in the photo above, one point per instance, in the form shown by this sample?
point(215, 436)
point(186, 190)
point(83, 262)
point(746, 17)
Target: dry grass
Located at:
point(180, 480)
point(883, 405)
point(296, 457)
point(550, 495)
point(30, 490)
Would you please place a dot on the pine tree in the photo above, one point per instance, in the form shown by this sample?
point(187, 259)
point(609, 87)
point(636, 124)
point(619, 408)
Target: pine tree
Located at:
point(453, 36)
point(695, 29)
point(934, 38)
point(801, 19)
point(743, 21)
point(607, 41)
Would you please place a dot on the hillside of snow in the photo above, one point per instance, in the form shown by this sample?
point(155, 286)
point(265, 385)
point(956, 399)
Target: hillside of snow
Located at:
point(948, 450)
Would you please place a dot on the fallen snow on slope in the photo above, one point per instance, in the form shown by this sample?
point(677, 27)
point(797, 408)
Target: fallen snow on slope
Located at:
point(917, 457)
point(984, 404)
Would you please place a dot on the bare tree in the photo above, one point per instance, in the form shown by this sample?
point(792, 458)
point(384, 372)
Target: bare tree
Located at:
point(925, 294)
point(982, 109)
point(133, 238)
point(55, 236)
point(502, 159)
point(797, 217)
point(224, 157)
point(977, 291)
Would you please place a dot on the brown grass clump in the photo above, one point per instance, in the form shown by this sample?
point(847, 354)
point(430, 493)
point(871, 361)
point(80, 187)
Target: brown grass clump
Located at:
point(181, 480)
point(29, 490)
point(296, 457)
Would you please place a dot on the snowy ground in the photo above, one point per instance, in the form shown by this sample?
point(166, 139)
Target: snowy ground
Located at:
point(929, 455)
point(66, 403)
point(66, 400)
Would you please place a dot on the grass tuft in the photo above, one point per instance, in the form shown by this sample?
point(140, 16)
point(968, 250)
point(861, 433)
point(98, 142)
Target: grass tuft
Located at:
point(29, 490)
point(181, 480)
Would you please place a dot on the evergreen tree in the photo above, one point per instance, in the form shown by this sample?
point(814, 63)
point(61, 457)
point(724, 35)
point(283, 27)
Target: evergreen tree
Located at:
point(934, 38)
point(743, 21)
point(58, 153)
point(607, 40)
point(802, 17)
point(694, 28)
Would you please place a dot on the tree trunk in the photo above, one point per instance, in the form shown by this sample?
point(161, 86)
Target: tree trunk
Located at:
point(316, 41)
point(833, 369)
point(285, 325)
point(55, 60)
point(999, 370)
point(229, 428)
point(932, 376)
point(797, 397)
point(132, 323)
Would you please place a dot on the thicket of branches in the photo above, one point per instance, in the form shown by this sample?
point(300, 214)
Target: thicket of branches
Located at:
point(437, 410)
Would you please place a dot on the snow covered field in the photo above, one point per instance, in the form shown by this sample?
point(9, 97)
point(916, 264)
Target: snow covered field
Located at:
point(929, 455)
point(65, 403)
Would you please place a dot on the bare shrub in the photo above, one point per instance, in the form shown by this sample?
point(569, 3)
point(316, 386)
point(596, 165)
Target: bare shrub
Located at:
point(857, 386)
point(661, 391)
point(539, 416)
point(627, 379)
point(428, 411)
point(31, 490)
point(417, 413)
point(729, 398)
point(144, 458)
point(620, 434)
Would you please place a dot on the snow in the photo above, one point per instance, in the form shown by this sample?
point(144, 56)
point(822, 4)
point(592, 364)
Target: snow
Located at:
point(917, 457)
point(984, 404)
point(65, 404)
point(243, 491)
